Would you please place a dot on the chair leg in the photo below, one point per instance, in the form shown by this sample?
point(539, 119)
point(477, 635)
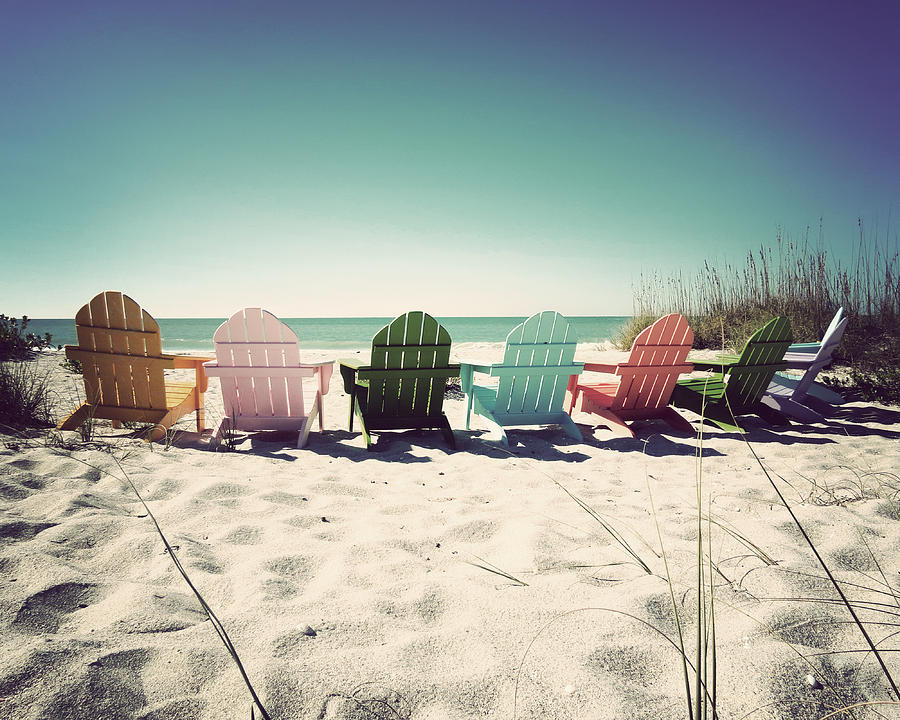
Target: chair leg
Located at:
point(721, 418)
point(447, 432)
point(820, 392)
point(74, 420)
point(571, 429)
point(216, 440)
point(303, 435)
point(613, 422)
point(676, 421)
point(321, 403)
point(792, 408)
point(365, 431)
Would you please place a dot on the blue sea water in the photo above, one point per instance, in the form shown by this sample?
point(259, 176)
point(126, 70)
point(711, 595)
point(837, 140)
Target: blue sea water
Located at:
point(195, 334)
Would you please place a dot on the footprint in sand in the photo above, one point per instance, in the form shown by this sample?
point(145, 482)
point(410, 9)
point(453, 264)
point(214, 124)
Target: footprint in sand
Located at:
point(292, 571)
point(19, 530)
point(225, 494)
point(46, 610)
point(12, 490)
point(109, 687)
point(244, 535)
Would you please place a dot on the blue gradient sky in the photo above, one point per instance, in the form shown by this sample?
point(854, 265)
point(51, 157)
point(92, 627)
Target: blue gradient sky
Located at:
point(465, 158)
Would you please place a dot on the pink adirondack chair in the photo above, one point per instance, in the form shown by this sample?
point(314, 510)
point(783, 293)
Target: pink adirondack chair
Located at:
point(258, 365)
point(645, 381)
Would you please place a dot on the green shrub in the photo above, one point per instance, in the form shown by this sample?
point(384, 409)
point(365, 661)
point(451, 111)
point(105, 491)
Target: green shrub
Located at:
point(725, 304)
point(15, 343)
point(24, 396)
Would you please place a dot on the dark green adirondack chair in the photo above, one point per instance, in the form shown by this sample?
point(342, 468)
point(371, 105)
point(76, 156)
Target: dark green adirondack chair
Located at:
point(403, 385)
point(738, 382)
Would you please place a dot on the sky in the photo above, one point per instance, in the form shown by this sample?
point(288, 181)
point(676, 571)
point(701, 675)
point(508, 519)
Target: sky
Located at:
point(463, 158)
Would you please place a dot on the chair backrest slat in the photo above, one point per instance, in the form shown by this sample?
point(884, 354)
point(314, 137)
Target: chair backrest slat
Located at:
point(112, 329)
point(658, 356)
point(411, 342)
point(255, 338)
point(537, 363)
point(761, 357)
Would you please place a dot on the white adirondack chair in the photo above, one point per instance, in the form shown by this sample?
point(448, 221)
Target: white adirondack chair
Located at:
point(813, 347)
point(258, 365)
point(787, 394)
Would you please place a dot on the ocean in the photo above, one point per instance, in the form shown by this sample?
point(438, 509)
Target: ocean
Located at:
point(195, 334)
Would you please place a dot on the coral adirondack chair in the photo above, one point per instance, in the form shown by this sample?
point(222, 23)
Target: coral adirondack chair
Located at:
point(258, 365)
point(120, 351)
point(402, 387)
point(812, 348)
point(787, 394)
point(738, 386)
point(645, 381)
point(537, 364)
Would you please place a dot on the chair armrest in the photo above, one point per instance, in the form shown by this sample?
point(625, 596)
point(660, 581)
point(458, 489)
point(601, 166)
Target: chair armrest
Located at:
point(196, 363)
point(324, 370)
point(475, 367)
point(467, 374)
point(804, 347)
point(600, 367)
point(349, 368)
point(719, 363)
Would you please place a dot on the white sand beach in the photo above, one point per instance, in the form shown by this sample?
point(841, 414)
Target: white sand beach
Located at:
point(416, 582)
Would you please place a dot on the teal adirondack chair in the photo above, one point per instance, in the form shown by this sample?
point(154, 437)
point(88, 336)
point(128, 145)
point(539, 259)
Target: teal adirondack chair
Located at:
point(738, 386)
point(532, 378)
point(403, 385)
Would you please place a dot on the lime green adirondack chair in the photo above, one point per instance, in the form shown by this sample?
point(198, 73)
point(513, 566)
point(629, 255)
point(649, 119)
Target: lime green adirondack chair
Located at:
point(403, 385)
point(738, 386)
point(533, 377)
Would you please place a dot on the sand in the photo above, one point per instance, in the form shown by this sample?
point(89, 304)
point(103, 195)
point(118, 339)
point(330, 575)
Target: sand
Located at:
point(415, 582)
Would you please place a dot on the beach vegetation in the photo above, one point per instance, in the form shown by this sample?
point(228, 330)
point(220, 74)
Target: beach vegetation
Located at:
point(24, 396)
point(800, 279)
point(73, 366)
point(15, 342)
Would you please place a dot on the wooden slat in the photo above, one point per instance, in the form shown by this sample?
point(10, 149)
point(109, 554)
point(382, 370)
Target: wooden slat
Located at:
point(151, 327)
point(134, 321)
point(394, 359)
point(122, 371)
point(244, 402)
point(413, 358)
point(262, 385)
point(375, 376)
point(100, 319)
point(440, 363)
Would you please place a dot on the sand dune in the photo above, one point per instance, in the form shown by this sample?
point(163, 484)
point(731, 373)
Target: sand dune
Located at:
point(420, 583)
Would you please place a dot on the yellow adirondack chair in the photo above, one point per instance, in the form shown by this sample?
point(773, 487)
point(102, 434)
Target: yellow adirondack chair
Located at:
point(120, 351)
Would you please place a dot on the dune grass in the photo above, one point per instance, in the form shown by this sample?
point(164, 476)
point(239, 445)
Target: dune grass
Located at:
point(24, 396)
point(725, 303)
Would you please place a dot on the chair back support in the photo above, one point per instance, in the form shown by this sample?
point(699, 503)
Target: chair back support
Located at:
point(256, 343)
point(830, 341)
point(758, 362)
point(537, 364)
point(120, 349)
point(658, 357)
point(408, 372)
